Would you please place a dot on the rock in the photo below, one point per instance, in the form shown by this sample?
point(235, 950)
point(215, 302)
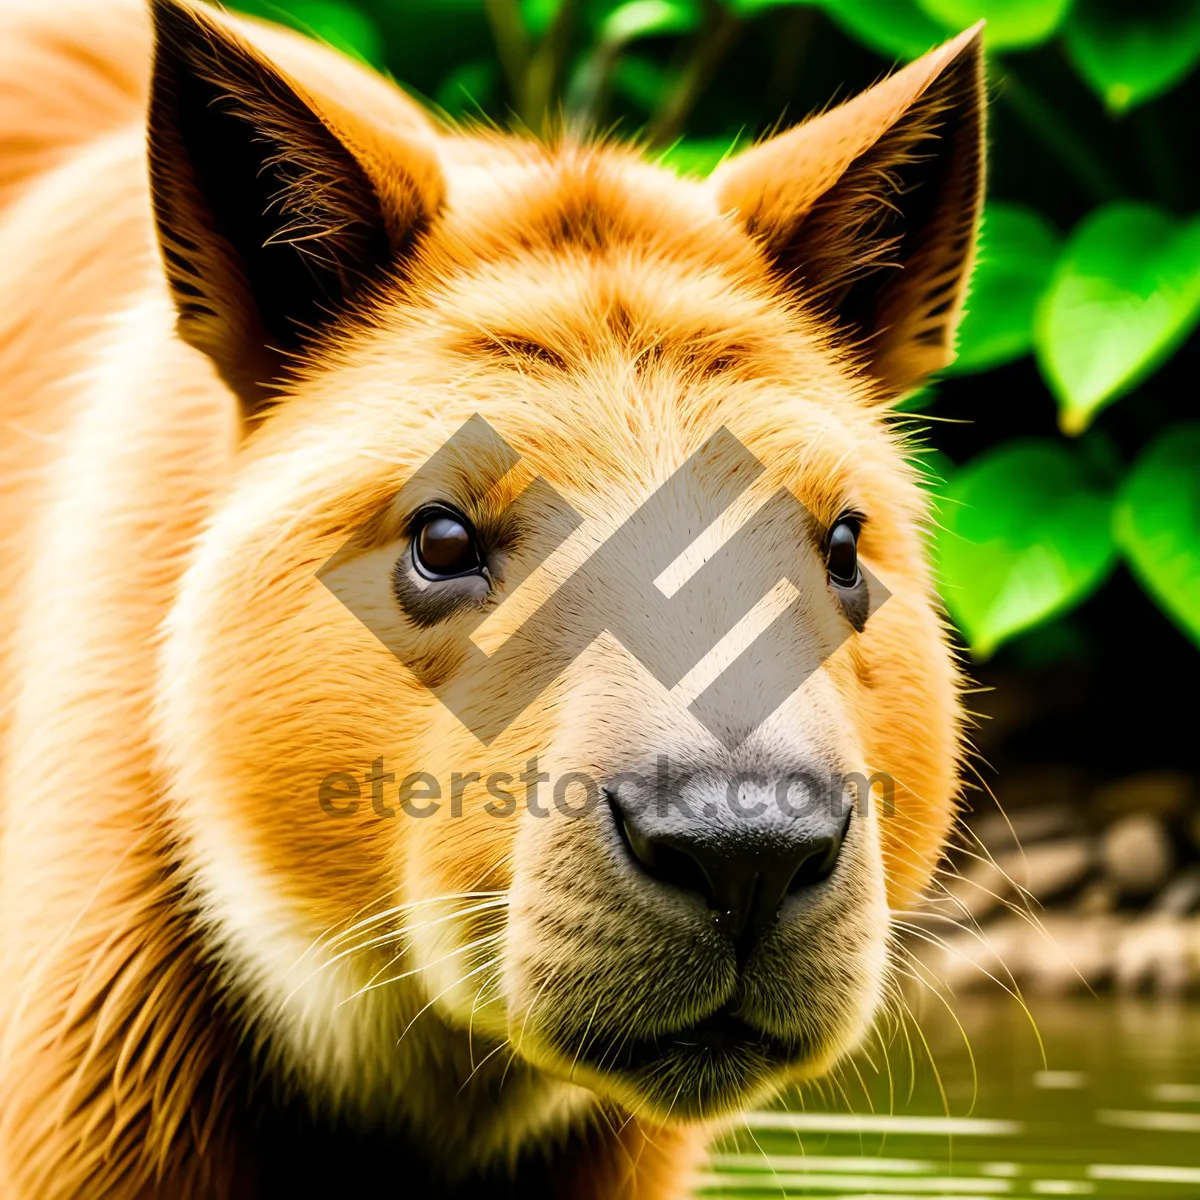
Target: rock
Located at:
point(1097, 898)
point(1057, 956)
point(1156, 954)
point(979, 889)
point(968, 960)
point(1069, 954)
point(1045, 869)
point(1010, 830)
point(1137, 853)
point(1160, 793)
point(1181, 896)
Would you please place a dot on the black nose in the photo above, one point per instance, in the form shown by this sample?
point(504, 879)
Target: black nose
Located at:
point(743, 863)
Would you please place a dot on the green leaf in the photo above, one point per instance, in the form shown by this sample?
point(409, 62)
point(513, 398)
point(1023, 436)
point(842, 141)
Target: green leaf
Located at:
point(648, 18)
point(934, 468)
point(699, 157)
point(469, 88)
point(1012, 24)
point(933, 471)
point(642, 81)
point(341, 25)
point(916, 401)
point(1131, 52)
point(426, 40)
point(1026, 535)
point(1157, 523)
point(1017, 254)
point(538, 15)
point(1125, 292)
point(751, 8)
point(893, 28)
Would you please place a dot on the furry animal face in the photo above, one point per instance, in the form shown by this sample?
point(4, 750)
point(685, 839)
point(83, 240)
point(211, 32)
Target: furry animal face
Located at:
point(528, 897)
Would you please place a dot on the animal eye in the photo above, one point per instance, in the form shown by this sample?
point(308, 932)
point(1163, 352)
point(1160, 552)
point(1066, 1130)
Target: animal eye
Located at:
point(444, 545)
point(841, 560)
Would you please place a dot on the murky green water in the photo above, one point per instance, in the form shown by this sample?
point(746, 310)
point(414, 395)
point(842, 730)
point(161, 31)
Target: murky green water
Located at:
point(1113, 1110)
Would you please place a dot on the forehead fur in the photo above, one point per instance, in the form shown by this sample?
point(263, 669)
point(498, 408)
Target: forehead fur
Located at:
point(596, 198)
point(555, 255)
point(608, 318)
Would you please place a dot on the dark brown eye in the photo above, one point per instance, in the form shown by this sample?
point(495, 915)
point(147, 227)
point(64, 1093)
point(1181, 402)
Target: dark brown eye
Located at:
point(842, 559)
point(444, 546)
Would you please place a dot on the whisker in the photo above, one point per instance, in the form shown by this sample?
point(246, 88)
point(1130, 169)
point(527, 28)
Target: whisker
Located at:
point(485, 966)
point(395, 935)
point(583, 1040)
point(525, 1025)
point(479, 1066)
point(396, 910)
point(483, 941)
point(328, 938)
point(936, 993)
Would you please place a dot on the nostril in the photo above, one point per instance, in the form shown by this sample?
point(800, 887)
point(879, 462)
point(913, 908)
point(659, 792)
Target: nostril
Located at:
point(816, 866)
point(661, 860)
point(819, 861)
point(743, 876)
point(678, 868)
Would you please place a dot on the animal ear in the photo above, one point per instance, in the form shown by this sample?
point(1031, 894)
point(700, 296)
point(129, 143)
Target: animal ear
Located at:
point(276, 210)
point(871, 209)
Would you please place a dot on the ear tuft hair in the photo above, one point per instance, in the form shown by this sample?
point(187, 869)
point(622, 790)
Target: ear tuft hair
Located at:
point(871, 210)
point(274, 212)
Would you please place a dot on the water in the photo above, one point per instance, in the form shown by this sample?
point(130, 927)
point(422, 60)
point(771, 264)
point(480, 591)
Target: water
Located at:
point(1113, 1109)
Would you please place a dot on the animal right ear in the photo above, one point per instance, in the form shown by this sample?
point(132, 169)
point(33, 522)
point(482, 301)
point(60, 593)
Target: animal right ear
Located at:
point(870, 211)
point(276, 210)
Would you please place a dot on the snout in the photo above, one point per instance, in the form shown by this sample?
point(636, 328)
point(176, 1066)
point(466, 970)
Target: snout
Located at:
point(717, 932)
point(744, 845)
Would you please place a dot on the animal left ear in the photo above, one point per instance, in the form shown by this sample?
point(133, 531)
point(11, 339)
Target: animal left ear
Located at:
point(871, 210)
point(276, 209)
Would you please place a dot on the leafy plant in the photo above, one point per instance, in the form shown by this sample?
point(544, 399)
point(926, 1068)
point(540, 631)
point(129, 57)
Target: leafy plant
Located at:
point(1158, 523)
point(1132, 52)
point(1011, 23)
point(1064, 450)
point(1125, 291)
point(346, 26)
point(1026, 534)
point(1018, 251)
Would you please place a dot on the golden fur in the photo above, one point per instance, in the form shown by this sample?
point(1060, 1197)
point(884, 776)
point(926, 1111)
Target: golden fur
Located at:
point(181, 449)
